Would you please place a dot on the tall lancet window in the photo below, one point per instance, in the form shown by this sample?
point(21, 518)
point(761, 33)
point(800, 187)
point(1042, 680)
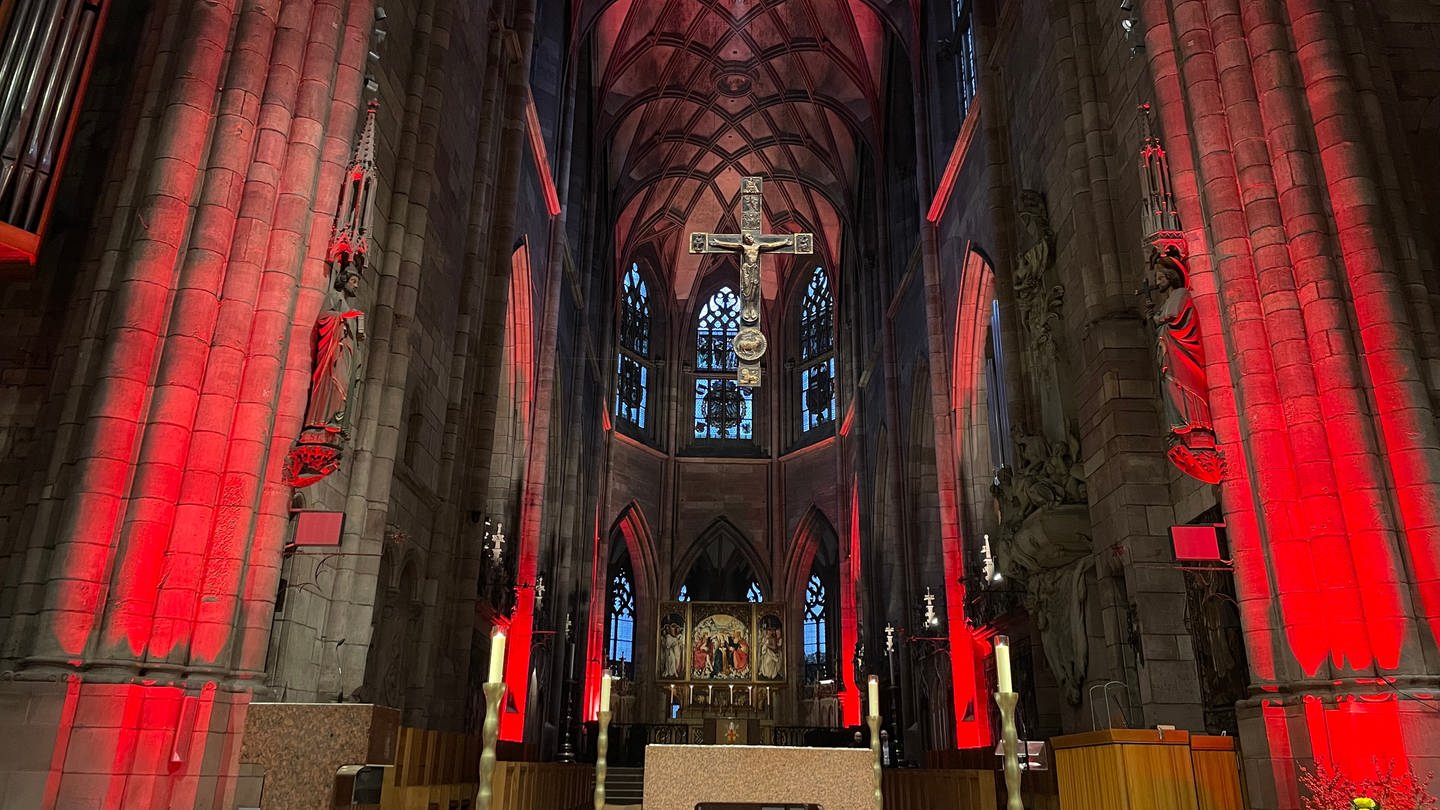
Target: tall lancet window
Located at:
point(814, 636)
point(963, 44)
point(620, 649)
point(633, 359)
point(817, 354)
point(997, 400)
point(723, 410)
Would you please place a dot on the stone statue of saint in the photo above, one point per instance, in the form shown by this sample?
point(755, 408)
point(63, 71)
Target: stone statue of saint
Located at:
point(338, 334)
point(1177, 336)
point(1181, 357)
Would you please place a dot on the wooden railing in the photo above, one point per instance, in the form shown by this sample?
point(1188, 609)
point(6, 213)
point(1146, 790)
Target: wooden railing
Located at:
point(529, 785)
point(436, 768)
point(931, 789)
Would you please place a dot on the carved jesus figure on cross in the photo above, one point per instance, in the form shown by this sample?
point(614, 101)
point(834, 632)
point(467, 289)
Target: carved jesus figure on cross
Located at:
point(749, 342)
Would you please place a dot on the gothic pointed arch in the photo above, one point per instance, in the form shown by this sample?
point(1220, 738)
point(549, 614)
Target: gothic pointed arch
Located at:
point(812, 589)
point(630, 572)
point(721, 565)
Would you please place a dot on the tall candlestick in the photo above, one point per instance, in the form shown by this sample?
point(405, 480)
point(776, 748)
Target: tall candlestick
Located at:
point(605, 692)
point(874, 695)
point(1002, 664)
point(497, 658)
point(672, 693)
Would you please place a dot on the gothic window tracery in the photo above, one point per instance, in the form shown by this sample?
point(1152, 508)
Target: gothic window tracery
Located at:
point(620, 646)
point(753, 594)
point(817, 354)
point(723, 409)
point(633, 363)
point(815, 621)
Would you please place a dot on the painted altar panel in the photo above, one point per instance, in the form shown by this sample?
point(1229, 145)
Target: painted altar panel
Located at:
point(769, 643)
point(672, 647)
point(721, 643)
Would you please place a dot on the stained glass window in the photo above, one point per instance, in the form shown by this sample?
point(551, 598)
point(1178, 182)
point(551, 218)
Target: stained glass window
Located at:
point(723, 410)
point(817, 353)
point(815, 622)
point(754, 594)
point(632, 372)
point(684, 593)
point(621, 647)
point(719, 321)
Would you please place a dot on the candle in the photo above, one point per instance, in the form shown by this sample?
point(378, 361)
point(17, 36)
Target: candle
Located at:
point(750, 696)
point(690, 698)
point(1002, 664)
point(497, 658)
point(672, 693)
point(605, 692)
point(874, 695)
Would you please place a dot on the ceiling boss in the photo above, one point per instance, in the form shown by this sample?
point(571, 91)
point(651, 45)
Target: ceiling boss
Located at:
point(749, 343)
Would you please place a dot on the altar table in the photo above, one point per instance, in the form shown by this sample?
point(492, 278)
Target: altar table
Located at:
point(678, 777)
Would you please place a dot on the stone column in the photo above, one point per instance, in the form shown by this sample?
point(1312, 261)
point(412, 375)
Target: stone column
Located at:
point(1321, 402)
point(126, 690)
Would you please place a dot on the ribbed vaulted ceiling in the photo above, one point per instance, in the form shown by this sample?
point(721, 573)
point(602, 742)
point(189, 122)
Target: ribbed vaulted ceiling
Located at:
point(695, 94)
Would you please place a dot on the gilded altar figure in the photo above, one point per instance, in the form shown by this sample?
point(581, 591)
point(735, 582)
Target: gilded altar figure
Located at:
point(1181, 357)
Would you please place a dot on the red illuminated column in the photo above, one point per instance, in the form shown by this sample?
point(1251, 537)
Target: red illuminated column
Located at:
point(1304, 609)
point(154, 536)
point(209, 441)
point(1369, 522)
point(968, 733)
point(849, 610)
point(1303, 418)
point(86, 547)
point(1370, 258)
point(1256, 85)
point(1253, 583)
point(161, 466)
point(253, 619)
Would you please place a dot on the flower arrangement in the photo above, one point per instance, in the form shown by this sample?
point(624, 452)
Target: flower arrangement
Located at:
point(1394, 787)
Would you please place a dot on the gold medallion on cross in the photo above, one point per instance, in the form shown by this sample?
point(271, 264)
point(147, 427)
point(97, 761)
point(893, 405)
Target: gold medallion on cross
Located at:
point(749, 343)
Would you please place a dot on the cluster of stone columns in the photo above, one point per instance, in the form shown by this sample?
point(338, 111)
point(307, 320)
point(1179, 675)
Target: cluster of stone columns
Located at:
point(149, 551)
point(1321, 341)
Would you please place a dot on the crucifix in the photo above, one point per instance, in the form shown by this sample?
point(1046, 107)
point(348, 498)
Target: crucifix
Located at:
point(749, 342)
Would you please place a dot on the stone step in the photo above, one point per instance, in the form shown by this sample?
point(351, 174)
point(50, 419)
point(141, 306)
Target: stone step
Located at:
point(624, 786)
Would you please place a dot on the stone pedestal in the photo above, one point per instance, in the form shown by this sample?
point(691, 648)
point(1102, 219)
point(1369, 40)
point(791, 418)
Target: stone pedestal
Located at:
point(292, 751)
point(73, 743)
